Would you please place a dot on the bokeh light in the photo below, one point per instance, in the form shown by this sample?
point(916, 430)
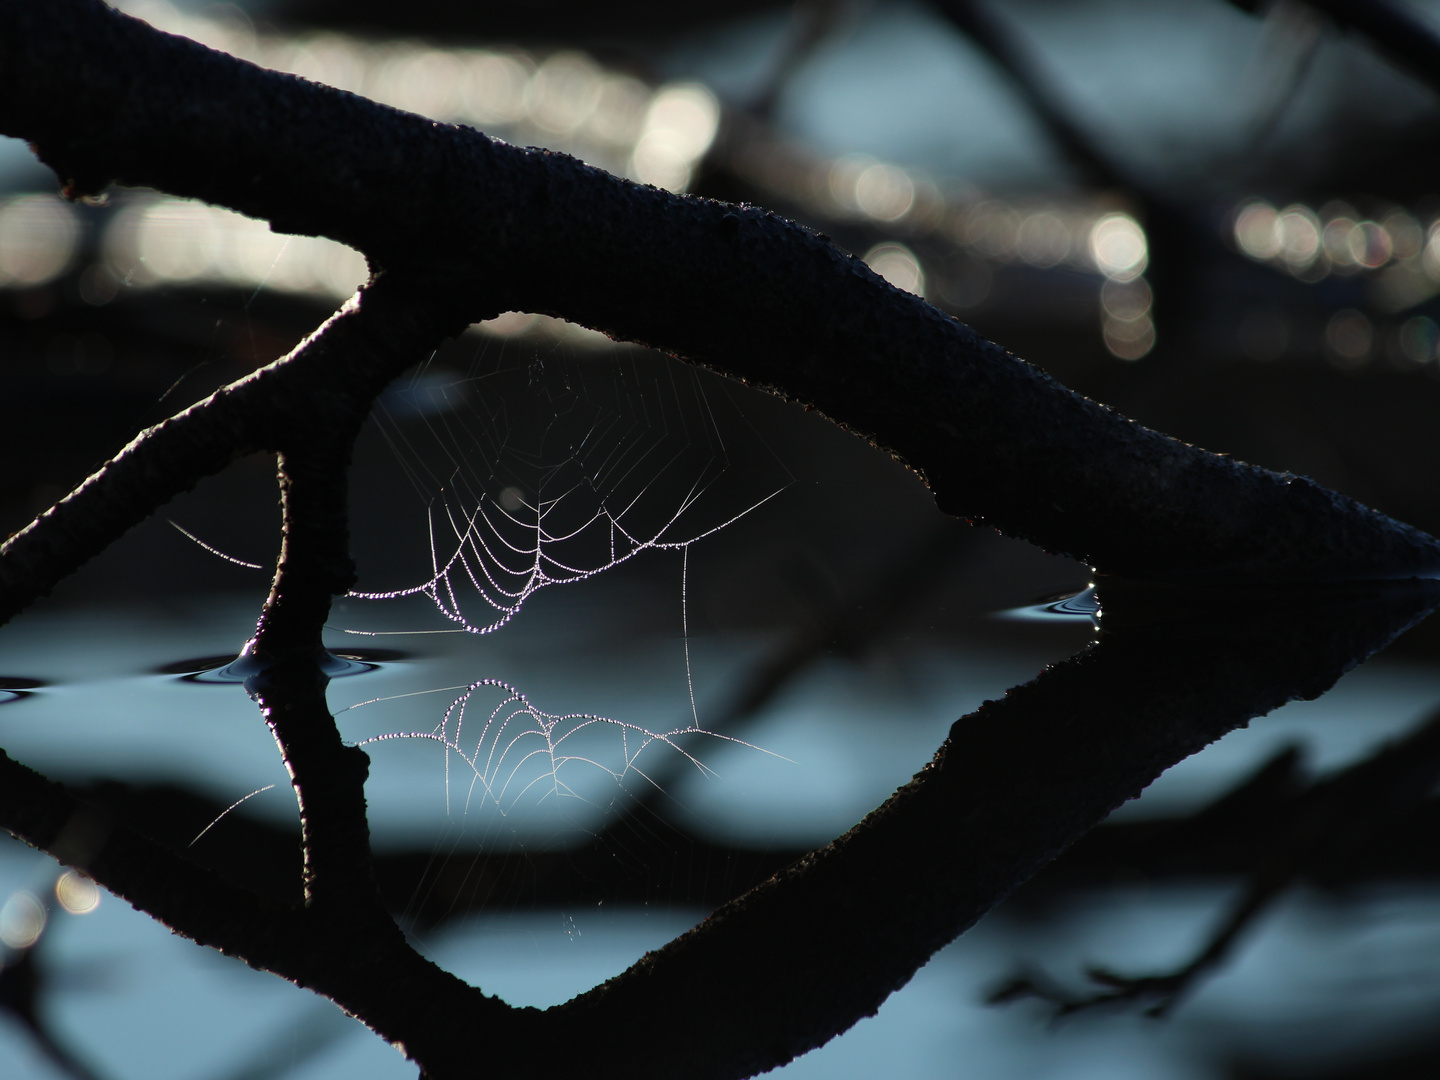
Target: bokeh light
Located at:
point(563, 92)
point(1430, 258)
point(1043, 240)
point(1370, 245)
point(1348, 338)
point(39, 235)
point(1255, 230)
point(493, 88)
point(1126, 300)
point(22, 920)
point(841, 179)
point(1407, 238)
point(991, 228)
point(179, 241)
point(1298, 231)
point(1129, 339)
point(1419, 338)
point(898, 265)
point(1310, 245)
point(425, 81)
point(680, 125)
point(1336, 238)
point(76, 893)
point(619, 115)
point(1117, 244)
point(884, 192)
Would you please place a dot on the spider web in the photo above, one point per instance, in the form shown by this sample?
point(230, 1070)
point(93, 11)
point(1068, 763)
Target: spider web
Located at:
point(557, 469)
point(521, 749)
point(539, 467)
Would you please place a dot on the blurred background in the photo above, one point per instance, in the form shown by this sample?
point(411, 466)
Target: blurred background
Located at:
point(633, 637)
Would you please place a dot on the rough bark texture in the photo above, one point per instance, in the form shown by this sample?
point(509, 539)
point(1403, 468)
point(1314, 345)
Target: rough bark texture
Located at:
point(801, 958)
point(104, 98)
point(1016, 782)
point(461, 227)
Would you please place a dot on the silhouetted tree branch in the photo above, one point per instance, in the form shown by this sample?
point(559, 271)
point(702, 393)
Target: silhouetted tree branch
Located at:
point(458, 227)
point(490, 227)
point(1316, 834)
point(322, 390)
point(1409, 41)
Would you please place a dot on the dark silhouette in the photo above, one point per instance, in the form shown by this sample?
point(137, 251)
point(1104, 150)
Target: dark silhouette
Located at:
point(458, 228)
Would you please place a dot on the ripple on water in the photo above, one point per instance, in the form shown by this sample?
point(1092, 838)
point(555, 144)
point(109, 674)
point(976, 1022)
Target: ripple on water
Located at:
point(230, 669)
point(14, 688)
point(1068, 607)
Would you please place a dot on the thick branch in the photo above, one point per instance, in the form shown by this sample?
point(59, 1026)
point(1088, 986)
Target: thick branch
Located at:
point(1015, 783)
point(803, 957)
point(202, 906)
point(782, 970)
point(105, 98)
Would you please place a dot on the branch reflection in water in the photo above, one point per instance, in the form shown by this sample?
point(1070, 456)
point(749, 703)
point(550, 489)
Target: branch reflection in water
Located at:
point(1017, 781)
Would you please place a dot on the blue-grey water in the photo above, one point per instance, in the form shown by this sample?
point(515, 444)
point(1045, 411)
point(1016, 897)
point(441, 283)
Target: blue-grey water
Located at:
point(1316, 980)
point(832, 745)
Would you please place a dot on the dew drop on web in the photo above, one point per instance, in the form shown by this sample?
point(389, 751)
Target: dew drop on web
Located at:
point(526, 469)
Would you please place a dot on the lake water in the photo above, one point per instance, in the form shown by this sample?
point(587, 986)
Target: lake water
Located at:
point(660, 643)
point(830, 745)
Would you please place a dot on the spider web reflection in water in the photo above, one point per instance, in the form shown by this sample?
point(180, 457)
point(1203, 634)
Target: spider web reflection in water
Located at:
point(548, 468)
point(522, 749)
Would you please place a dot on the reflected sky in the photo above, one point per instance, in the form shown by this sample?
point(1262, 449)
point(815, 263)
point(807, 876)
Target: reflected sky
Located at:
point(839, 739)
point(845, 735)
point(150, 1004)
point(828, 750)
point(819, 757)
point(136, 1001)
